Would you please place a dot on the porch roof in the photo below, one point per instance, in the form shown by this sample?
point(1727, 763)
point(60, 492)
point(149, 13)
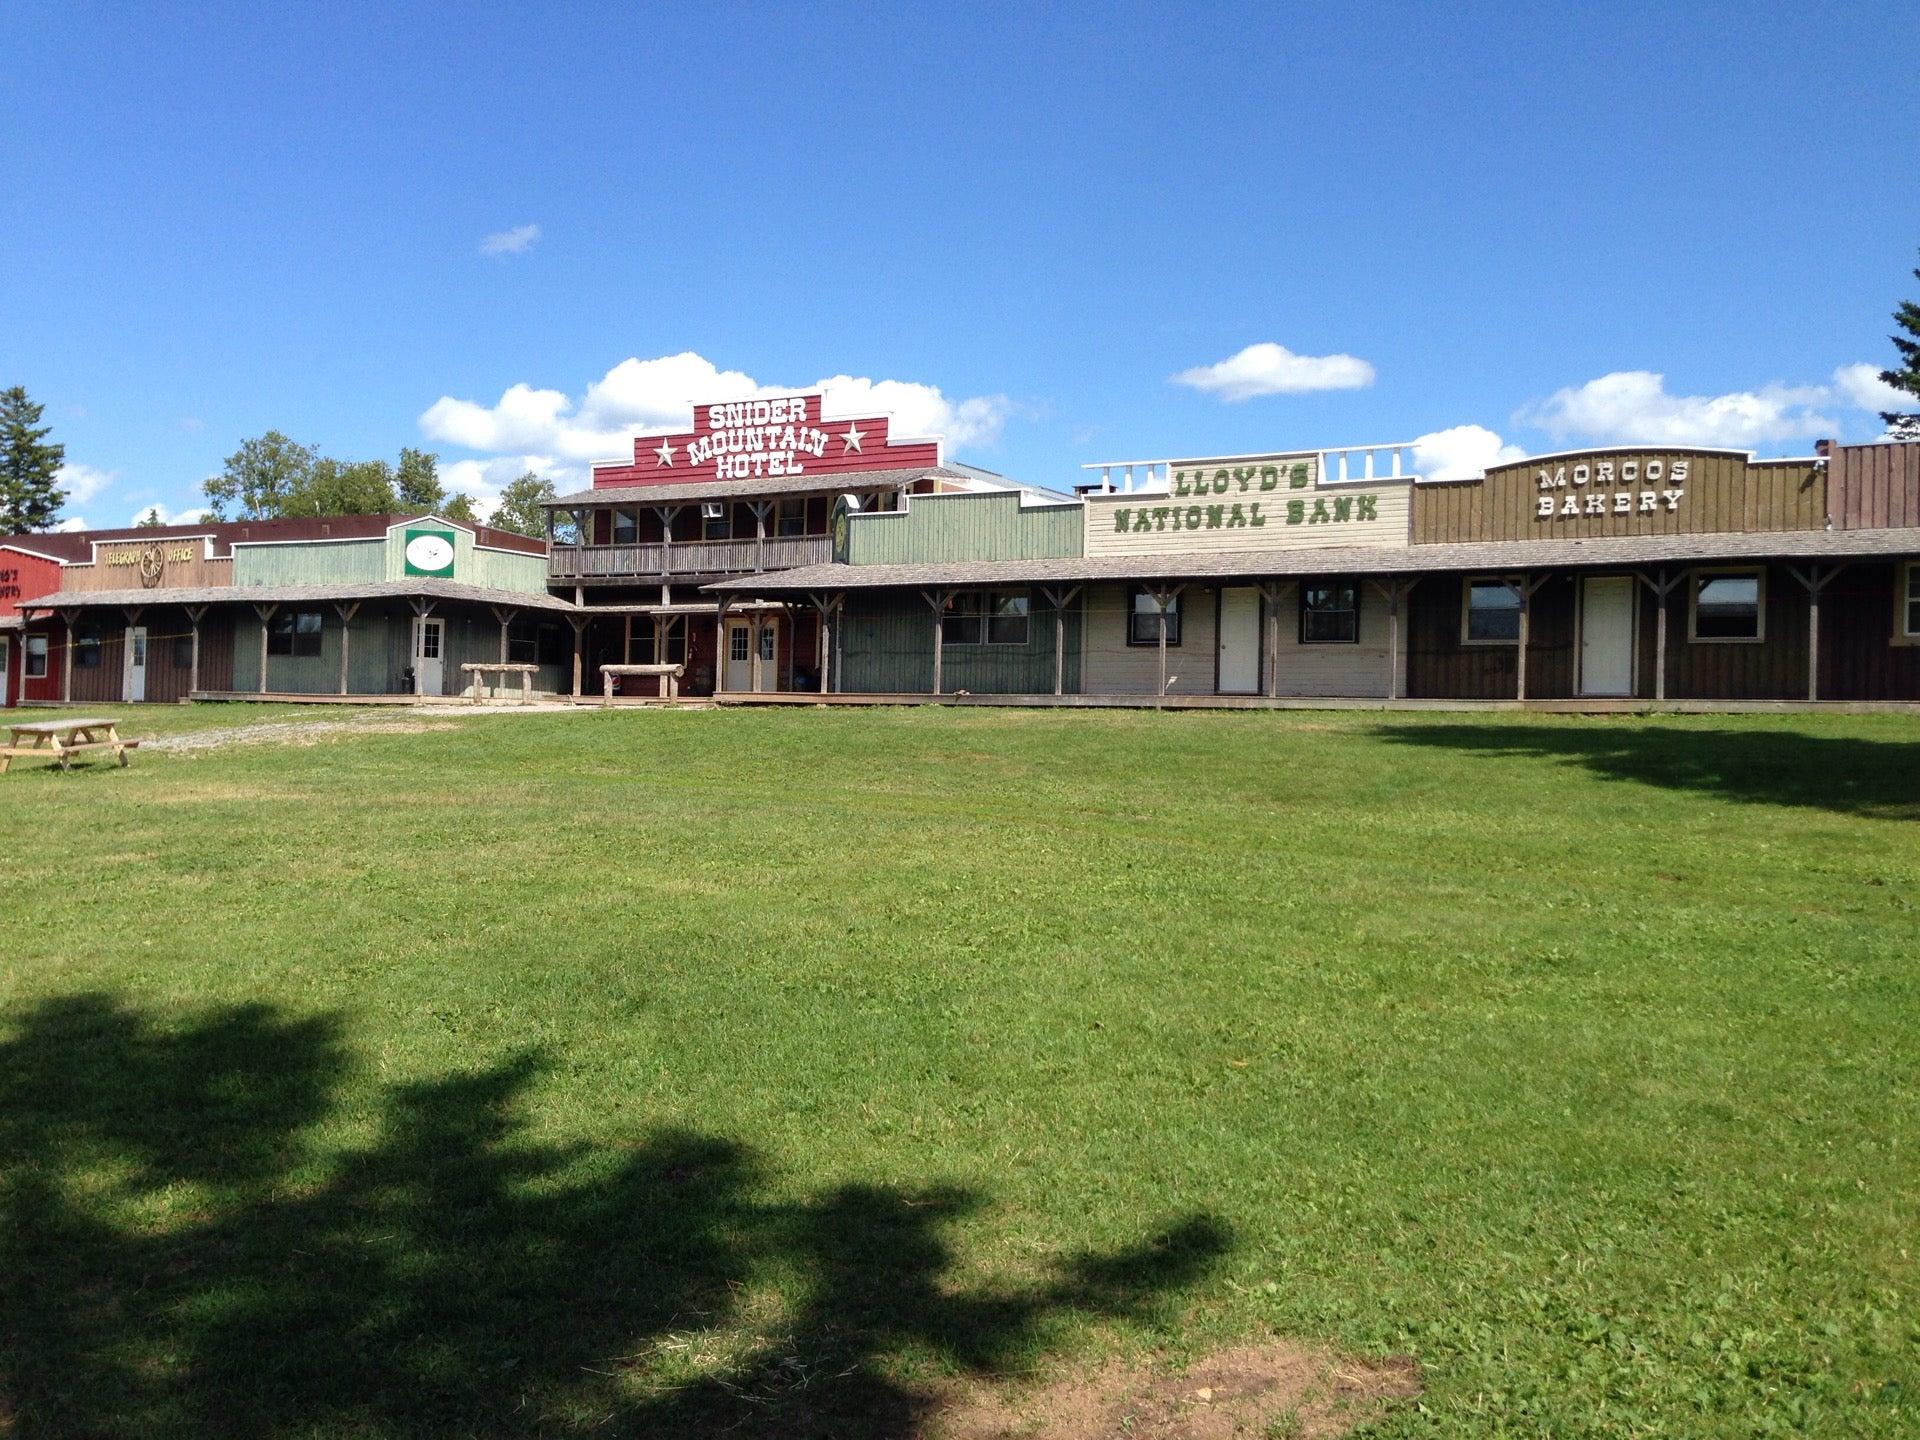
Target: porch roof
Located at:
point(765, 487)
point(422, 588)
point(1495, 556)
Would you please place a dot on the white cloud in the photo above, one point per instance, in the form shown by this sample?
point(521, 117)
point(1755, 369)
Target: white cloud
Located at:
point(1461, 453)
point(83, 482)
point(1633, 405)
point(190, 516)
point(1270, 369)
point(481, 481)
point(546, 432)
point(70, 524)
point(1860, 384)
point(517, 241)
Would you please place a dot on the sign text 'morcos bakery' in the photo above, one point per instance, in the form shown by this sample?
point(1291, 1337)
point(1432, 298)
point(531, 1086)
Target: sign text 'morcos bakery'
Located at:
point(1264, 502)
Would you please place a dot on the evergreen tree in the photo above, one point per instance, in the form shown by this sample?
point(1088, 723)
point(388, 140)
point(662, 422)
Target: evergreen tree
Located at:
point(30, 496)
point(521, 505)
point(1905, 424)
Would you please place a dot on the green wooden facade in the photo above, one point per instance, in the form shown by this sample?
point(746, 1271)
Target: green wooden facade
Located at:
point(348, 562)
point(984, 525)
point(886, 647)
point(380, 650)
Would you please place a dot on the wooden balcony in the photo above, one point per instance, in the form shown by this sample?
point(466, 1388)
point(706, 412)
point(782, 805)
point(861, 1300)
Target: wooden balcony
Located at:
point(656, 560)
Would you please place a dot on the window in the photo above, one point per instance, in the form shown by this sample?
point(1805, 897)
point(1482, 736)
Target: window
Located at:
point(1330, 614)
point(739, 644)
point(715, 522)
point(294, 632)
point(86, 649)
point(183, 652)
point(1726, 605)
point(791, 518)
point(1490, 613)
point(626, 527)
point(1909, 603)
point(36, 657)
point(531, 644)
point(986, 617)
point(1144, 618)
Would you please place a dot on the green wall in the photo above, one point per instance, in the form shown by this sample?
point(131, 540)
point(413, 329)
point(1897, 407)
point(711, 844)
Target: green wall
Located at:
point(990, 525)
point(380, 651)
point(352, 562)
point(886, 647)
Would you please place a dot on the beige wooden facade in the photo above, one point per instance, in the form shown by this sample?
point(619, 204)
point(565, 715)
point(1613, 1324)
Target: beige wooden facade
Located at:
point(169, 561)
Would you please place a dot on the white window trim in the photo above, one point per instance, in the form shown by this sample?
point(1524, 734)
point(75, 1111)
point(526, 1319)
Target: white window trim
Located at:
point(1694, 577)
point(1467, 583)
point(1906, 578)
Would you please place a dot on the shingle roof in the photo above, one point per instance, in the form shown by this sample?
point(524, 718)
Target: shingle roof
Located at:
point(294, 594)
point(766, 485)
point(1491, 555)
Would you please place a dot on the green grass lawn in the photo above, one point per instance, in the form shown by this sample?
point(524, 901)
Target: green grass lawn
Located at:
point(747, 1072)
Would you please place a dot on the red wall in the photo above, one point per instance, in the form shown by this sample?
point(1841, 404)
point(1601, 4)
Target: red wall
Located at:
point(23, 577)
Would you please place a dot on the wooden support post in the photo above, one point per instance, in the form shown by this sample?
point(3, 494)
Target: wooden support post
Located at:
point(579, 624)
point(1662, 587)
point(666, 514)
point(1815, 581)
point(1272, 592)
point(829, 607)
point(720, 646)
point(1525, 586)
point(753, 652)
point(1163, 596)
point(195, 614)
point(266, 613)
point(1390, 592)
point(938, 599)
point(422, 608)
point(760, 508)
point(1059, 597)
point(67, 618)
point(346, 610)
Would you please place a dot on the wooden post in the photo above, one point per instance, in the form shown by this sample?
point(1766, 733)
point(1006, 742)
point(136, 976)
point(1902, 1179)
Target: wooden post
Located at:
point(579, 624)
point(753, 652)
point(67, 618)
point(666, 514)
point(938, 600)
point(1271, 594)
point(505, 615)
point(1661, 587)
point(1393, 638)
point(422, 609)
point(829, 607)
point(1060, 596)
point(1163, 596)
point(346, 610)
point(760, 508)
point(266, 613)
point(720, 645)
point(195, 613)
point(1815, 582)
point(1524, 586)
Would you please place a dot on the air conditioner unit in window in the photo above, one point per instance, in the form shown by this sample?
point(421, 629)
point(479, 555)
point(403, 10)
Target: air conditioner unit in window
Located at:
point(852, 502)
point(711, 510)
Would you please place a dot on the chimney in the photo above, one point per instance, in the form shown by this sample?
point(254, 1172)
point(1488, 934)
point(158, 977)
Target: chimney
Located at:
point(1823, 448)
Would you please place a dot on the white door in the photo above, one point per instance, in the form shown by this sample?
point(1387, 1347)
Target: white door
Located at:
point(6, 670)
point(429, 646)
point(1240, 640)
point(137, 663)
point(1606, 635)
point(770, 655)
point(739, 655)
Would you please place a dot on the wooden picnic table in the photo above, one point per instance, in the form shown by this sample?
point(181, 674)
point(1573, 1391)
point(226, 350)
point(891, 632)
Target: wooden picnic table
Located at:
point(668, 675)
point(63, 739)
point(503, 668)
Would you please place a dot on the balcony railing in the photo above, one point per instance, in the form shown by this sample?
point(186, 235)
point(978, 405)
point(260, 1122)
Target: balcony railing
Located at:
point(657, 558)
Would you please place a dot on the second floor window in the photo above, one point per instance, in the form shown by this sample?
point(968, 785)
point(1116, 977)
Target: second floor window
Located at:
point(792, 518)
point(626, 527)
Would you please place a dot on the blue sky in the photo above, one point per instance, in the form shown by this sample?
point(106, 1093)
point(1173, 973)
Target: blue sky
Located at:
point(1511, 217)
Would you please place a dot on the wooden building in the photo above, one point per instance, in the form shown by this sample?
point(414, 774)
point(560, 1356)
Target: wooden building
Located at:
point(1616, 575)
point(357, 606)
point(751, 490)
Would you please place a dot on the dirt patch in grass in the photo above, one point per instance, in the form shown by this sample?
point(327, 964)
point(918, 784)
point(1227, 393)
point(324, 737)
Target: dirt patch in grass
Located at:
point(1275, 1389)
point(293, 732)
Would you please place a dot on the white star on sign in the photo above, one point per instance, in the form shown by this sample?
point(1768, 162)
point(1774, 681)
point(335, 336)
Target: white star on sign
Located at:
point(665, 451)
point(852, 438)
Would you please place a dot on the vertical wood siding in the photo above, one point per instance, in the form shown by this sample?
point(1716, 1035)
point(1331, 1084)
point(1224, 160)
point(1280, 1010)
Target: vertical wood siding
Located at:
point(887, 648)
point(1874, 487)
point(1358, 670)
point(1860, 658)
point(988, 526)
point(1113, 667)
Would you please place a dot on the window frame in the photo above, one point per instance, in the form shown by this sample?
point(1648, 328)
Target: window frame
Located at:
point(1515, 587)
point(781, 509)
point(46, 655)
point(1354, 610)
point(295, 634)
point(1906, 602)
point(1697, 577)
point(633, 527)
point(88, 647)
point(724, 520)
point(964, 606)
point(1174, 613)
point(182, 651)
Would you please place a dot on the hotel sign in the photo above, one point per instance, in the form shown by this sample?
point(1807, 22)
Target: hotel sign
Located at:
point(775, 437)
point(1266, 502)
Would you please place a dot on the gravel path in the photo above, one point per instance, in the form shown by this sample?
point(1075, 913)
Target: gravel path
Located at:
point(301, 732)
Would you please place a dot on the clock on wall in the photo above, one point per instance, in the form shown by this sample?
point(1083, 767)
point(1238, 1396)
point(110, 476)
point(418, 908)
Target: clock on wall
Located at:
point(429, 552)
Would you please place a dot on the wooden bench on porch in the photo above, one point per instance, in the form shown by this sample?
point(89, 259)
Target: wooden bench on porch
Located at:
point(500, 669)
point(63, 739)
point(668, 676)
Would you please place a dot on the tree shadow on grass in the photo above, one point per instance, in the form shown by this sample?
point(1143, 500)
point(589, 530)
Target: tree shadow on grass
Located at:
point(180, 1254)
point(1877, 778)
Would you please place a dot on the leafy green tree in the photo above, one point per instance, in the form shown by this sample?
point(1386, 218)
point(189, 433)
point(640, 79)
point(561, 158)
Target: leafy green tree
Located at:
point(344, 487)
point(151, 520)
point(261, 479)
point(1905, 424)
point(521, 502)
point(416, 482)
point(459, 507)
point(30, 494)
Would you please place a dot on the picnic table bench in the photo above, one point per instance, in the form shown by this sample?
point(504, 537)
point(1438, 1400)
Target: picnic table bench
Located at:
point(668, 675)
point(502, 669)
point(63, 739)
